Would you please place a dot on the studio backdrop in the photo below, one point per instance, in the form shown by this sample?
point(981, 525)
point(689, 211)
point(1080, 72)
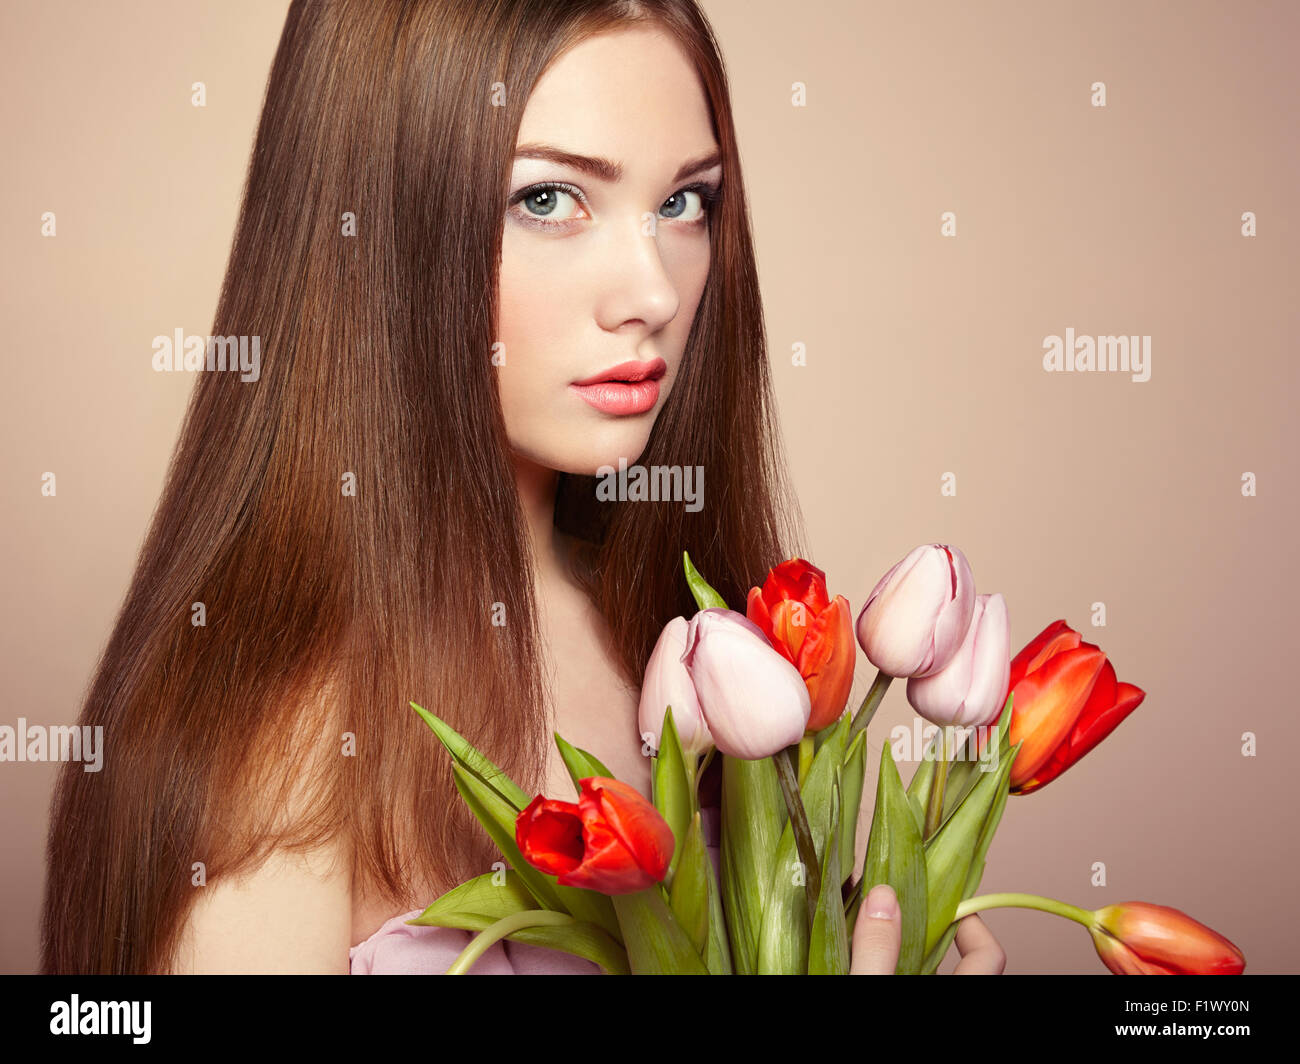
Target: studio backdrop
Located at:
point(1029, 278)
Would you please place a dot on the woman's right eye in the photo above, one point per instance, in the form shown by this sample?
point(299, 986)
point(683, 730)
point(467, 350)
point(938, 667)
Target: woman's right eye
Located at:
point(548, 204)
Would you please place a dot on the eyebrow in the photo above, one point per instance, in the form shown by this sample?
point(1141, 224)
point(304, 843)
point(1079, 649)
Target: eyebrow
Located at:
point(604, 168)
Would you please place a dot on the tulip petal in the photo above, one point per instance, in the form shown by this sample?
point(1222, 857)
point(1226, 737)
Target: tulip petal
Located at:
point(799, 580)
point(1123, 961)
point(790, 623)
point(955, 617)
point(634, 821)
point(971, 689)
point(826, 662)
point(550, 836)
point(1046, 705)
point(1106, 708)
point(1056, 638)
point(607, 866)
point(667, 683)
point(757, 611)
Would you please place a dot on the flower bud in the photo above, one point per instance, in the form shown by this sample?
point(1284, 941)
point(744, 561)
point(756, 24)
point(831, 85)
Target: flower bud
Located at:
point(612, 840)
point(971, 689)
point(810, 630)
point(1138, 938)
point(754, 701)
point(917, 615)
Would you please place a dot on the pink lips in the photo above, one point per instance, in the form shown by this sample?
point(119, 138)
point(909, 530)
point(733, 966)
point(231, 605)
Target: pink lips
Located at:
point(628, 388)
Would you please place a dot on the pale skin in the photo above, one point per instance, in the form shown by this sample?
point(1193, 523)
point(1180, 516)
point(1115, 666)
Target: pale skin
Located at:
point(629, 293)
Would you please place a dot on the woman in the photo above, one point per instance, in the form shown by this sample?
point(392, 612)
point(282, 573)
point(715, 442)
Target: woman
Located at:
point(401, 507)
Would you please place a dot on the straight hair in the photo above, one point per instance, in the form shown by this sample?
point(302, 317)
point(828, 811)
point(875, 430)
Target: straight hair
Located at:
point(329, 611)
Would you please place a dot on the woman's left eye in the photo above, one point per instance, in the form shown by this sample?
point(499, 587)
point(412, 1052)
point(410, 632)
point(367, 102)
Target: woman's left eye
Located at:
point(689, 204)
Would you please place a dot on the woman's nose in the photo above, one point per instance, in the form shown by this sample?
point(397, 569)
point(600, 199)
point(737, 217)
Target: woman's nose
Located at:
point(635, 284)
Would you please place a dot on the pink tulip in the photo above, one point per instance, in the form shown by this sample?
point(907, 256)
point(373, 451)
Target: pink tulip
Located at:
point(754, 701)
point(971, 689)
point(667, 683)
point(918, 614)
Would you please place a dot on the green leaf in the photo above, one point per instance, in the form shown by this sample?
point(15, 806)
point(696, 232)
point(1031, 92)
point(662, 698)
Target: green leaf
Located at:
point(895, 855)
point(828, 944)
point(753, 814)
point(472, 761)
point(576, 937)
point(851, 781)
point(717, 956)
point(581, 939)
point(656, 943)
point(498, 817)
point(783, 934)
point(918, 791)
point(670, 786)
point(705, 596)
point(590, 906)
point(478, 902)
point(689, 894)
point(581, 765)
point(976, 873)
point(955, 850)
point(783, 930)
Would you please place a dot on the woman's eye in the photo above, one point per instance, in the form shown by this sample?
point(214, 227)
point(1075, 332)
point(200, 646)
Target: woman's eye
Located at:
point(549, 202)
point(686, 205)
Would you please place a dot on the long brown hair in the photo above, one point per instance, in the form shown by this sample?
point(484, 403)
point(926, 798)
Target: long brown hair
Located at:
point(328, 612)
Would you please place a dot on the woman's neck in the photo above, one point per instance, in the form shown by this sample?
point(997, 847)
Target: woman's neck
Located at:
point(537, 487)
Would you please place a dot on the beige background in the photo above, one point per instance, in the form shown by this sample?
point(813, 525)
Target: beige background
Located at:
point(924, 357)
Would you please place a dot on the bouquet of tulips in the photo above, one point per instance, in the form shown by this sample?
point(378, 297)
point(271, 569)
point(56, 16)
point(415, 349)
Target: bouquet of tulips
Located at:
point(629, 884)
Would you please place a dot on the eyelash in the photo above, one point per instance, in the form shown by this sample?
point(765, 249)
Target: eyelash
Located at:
point(709, 195)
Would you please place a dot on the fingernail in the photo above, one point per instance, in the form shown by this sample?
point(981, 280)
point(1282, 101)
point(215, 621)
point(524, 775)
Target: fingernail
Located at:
point(881, 903)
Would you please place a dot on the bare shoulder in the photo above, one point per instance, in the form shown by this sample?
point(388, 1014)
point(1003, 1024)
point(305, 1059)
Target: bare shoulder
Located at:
point(292, 915)
point(291, 911)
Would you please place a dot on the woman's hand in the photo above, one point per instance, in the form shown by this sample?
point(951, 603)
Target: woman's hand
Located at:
point(877, 939)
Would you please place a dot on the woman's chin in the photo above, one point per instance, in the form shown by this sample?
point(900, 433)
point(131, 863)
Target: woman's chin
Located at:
point(600, 453)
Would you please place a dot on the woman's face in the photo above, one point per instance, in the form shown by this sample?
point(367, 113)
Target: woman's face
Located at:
point(605, 248)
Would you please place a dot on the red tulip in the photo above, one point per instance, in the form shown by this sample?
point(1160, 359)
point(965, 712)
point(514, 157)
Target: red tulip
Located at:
point(612, 840)
point(812, 631)
point(1138, 938)
point(1065, 700)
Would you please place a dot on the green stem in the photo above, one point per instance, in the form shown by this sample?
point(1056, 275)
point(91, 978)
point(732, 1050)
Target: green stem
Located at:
point(934, 812)
point(507, 925)
point(1025, 901)
point(869, 704)
point(803, 839)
